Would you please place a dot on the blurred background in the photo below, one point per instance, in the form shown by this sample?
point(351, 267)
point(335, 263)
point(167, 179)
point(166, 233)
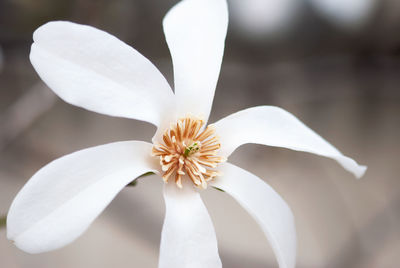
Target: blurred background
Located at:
point(335, 64)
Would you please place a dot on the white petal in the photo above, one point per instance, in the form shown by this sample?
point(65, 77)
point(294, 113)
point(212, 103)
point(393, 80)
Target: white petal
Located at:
point(188, 236)
point(92, 69)
point(63, 198)
point(266, 206)
point(274, 126)
point(195, 31)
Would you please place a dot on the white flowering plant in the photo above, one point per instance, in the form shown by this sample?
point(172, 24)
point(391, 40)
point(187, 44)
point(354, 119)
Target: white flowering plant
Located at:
point(92, 69)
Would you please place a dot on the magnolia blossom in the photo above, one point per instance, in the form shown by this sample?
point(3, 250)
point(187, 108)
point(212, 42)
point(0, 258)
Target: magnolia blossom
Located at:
point(94, 70)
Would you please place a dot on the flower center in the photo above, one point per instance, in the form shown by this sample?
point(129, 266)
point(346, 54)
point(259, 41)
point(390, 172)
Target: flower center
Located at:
point(186, 150)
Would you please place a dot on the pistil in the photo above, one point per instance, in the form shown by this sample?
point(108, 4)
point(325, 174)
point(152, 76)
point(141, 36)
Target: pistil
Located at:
point(186, 150)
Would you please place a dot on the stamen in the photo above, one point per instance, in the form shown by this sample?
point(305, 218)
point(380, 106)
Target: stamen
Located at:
point(188, 151)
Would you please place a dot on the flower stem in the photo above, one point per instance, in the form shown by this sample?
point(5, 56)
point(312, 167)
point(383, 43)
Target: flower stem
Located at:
point(133, 183)
point(219, 189)
point(3, 220)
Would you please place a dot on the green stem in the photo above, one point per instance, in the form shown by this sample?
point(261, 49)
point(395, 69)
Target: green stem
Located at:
point(134, 183)
point(3, 220)
point(219, 189)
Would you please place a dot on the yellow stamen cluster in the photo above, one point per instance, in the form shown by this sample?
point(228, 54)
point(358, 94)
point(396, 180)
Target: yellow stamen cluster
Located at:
point(189, 151)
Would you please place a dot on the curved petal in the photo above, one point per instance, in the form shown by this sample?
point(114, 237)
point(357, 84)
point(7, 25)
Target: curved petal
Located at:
point(92, 69)
point(188, 236)
point(195, 31)
point(274, 126)
point(266, 206)
point(63, 198)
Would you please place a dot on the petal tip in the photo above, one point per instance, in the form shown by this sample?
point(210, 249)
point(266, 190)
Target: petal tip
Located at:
point(46, 26)
point(359, 173)
point(26, 248)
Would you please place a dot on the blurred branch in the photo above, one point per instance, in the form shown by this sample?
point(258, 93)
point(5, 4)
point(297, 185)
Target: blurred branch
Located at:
point(24, 112)
point(377, 231)
point(3, 220)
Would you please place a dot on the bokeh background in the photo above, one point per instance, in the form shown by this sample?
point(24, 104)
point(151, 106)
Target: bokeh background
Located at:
point(334, 64)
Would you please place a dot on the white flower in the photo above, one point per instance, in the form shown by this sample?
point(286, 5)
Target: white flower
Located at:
point(94, 70)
